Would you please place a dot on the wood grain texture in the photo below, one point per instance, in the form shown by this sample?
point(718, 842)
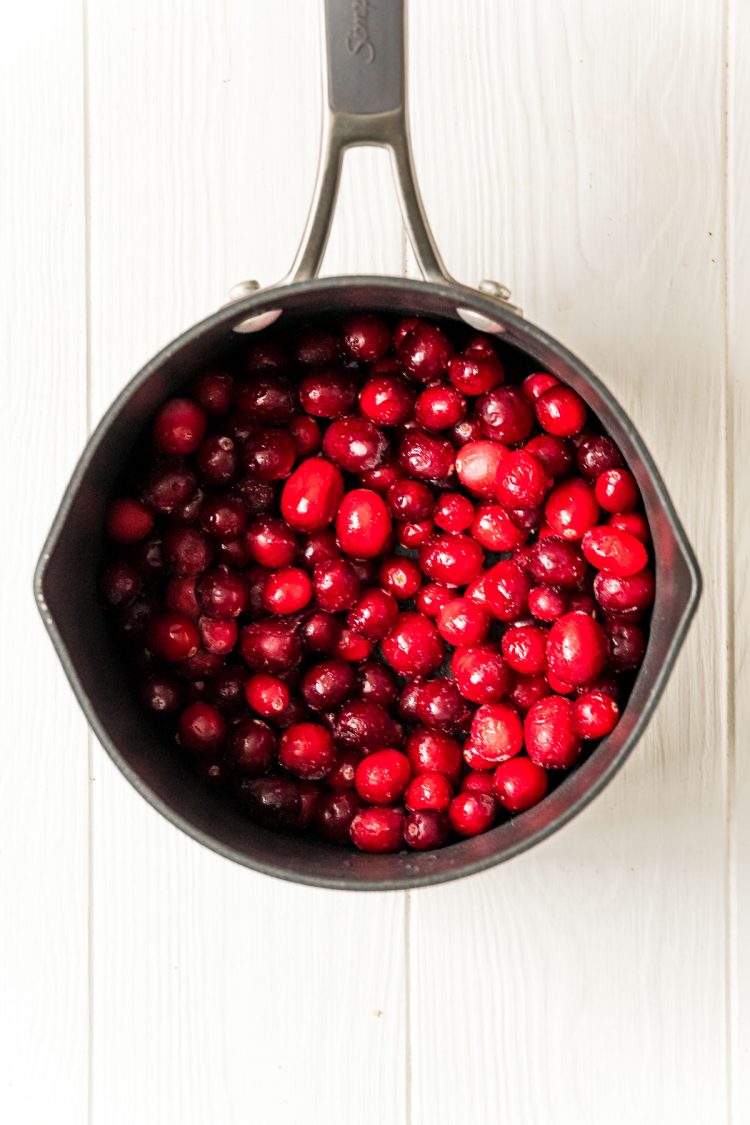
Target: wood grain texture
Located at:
point(43, 764)
point(220, 995)
point(585, 981)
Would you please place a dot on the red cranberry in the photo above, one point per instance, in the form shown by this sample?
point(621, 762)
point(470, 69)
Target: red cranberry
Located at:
point(581, 602)
point(556, 454)
point(353, 646)
point(327, 685)
point(180, 595)
point(377, 830)
point(624, 596)
point(315, 347)
point(453, 560)
point(432, 597)
point(497, 731)
point(561, 411)
point(616, 491)
point(321, 632)
point(364, 726)
point(221, 593)
point(478, 781)
point(524, 649)
point(576, 648)
point(306, 435)
point(179, 426)
point(312, 495)
point(407, 702)
point(320, 546)
point(475, 759)
point(160, 695)
point(527, 519)
point(217, 635)
point(557, 685)
point(252, 745)
point(633, 522)
point(266, 694)
point(172, 636)
point(617, 552)
point(494, 529)
point(477, 465)
point(551, 739)
point(269, 454)
point(366, 337)
point(521, 480)
point(382, 777)
point(424, 351)
point(120, 584)
point(413, 647)
point(336, 585)
point(413, 535)
point(127, 521)
point(597, 454)
point(377, 684)
point(426, 829)
point(213, 390)
point(519, 784)
point(374, 614)
point(273, 802)
point(266, 397)
point(595, 714)
point(546, 603)
point(387, 400)
point(307, 751)
point(341, 776)
point(463, 622)
point(472, 813)
point(475, 373)
point(167, 487)
point(410, 500)
point(327, 392)
point(356, 444)
point(202, 728)
point(571, 509)
point(506, 589)
point(333, 815)
point(481, 674)
point(287, 591)
point(270, 646)
point(381, 479)
point(453, 512)
point(400, 576)
point(535, 385)
point(505, 415)
point(557, 563)
point(431, 751)
point(468, 430)
point(439, 407)
point(428, 791)
point(627, 645)
point(424, 456)
point(271, 542)
point(527, 690)
point(217, 459)
point(363, 524)
point(440, 705)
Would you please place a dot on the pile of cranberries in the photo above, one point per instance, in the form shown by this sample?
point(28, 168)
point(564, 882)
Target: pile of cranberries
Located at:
point(378, 582)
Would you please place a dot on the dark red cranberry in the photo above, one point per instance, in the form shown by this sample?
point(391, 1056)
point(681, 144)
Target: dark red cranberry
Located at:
point(452, 560)
point(413, 647)
point(366, 337)
point(374, 614)
point(336, 585)
point(266, 354)
point(453, 512)
point(273, 802)
point(426, 829)
point(424, 456)
point(468, 430)
point(221, 593)
point(202, 728)
point(546, 603)
point(439, 407)
point(131, 620)
point(267, 397)
point(251, 748)
point(472, 813)
point(269, 454)
point(217, 459)
point(327, 685)
point(617, 552)
point(218, 635)
point(507, 590)
point(364, 726)
point(481, 674)
point(505, 415)
point(627, 645)
point(495, 530)
point(180, 595)
point(271, 542)
point(425, 351)
point(497, 731)
point(257, 496)
point(382, 777)
point(307, 750)
point(296, 712)
point(407, 701)
point(356, 444)
point(596, 455)
point(387, 399)
point(432, 751)
point(381, 479)
point(321, 632)
point(187, 551)
point(341, 777)
point(463, 622)
point(595, 714)
point(428, 791)
point(160, 694)
point(376, 683)
point(333, 815)
point(571, 509)
point(271, 646)
point(179, 426)
point(519, 784)
point(527, 519)
point(413, 535)
point(526, 691)
point(624, 596)
point(475, 372)
point(327, 392)
point(319, 547)
point(127, 521)
point(316, 347)
point(576, 648)
point(167, 487)
point(306, 435)
point(440, 705)
point(535, 385)
point(287, 590)
point(561, 411)
point(172, 636)
point(363, 524)
point(557, 563)
point(550, 736)
point(581, 602)
point(225, 690)
point(120, 584)
point(213, 390)
point(268, 695)
point(410, 500)
point(556, 454)
point(478, 464)
point(377, 830)
point(400, 576)
point(223, 518)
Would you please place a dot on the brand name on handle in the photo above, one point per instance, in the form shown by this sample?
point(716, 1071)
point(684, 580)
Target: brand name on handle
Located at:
point(358, 40)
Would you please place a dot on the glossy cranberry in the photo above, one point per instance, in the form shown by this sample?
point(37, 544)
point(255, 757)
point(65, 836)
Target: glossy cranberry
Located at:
point(432, 597)
point(439, 407)
point(526, 519)
point(481, 674)
point(316, 346)
point(306, 435)
point(617, 552)
point(521, 480)
point(556, 562)
point(440, 705)
point(336, 585)
point(413, 647)
point(312, 495)
point(472, 813)
point(271, 646)
point(519, 784)
point(239, 427)
point(364, 726)
point(223, 518)
point(387, 399)
point(202, 728)
point(475, 373)
point(556, 454)
point(400, 576)
point(226, 689)
point(524, 649)
point(571, 509)
point(561, 411)
point(546, 603)
point(307, 750)
point(127, 521)
point(468, 430)
point(355, 444)
point(273, 802)
point(271, 542)
point(549, 733)
point(221, 593)
point(381, 479)
point(366, 570)
point(333, 815)
point(321, 632)
point(413, 535)
point(366, 337)
point(505, 415)
point(374, 614)
point(506, 589)
point(527, 690)
point(428, 791)
point(217, 460)
point(213, 390)
point(363, 524)
point(535, 385)
point(426, 829)
point(167, 487)
point(180, 595)
point(463, 622)
point(595, 715)
point(120, 584)
point(425, 456)
point(624, 596)
point(160, 694)
point(633, 522)
point(327, 685)
point(424, 351)
point(218, 635)
point(407, 701)
point(616, 491)
point(576, 648)
point(432, 751)
point(453, 512)
point(581, 602)
point(268, 695)
point(377, 830)
point(382, 777)
point(287, 591)
point(475, 760)
point(596, 455)
point(494, 529)
point(251, 747)
point(341, 777)
point(477, 781)
point(410, 500)
point(266, 397)
point(179, 426)
point(452, 560)
point(627, 645)
point(319, 547)
point(497, 731)
point(376, 683)
point(353, 646)
point(172, 636)
point(327, 392)
point(478, 464)
point(269, 454)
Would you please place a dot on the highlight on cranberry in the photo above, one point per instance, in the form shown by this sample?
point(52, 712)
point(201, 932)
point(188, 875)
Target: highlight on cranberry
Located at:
point(380, 582)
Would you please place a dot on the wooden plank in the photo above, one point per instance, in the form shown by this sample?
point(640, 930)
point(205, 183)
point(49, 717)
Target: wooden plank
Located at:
point(220, 995)
point(579, 158)
point(43, 766)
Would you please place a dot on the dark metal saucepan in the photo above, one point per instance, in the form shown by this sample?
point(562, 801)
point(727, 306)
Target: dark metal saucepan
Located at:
point(365, 105)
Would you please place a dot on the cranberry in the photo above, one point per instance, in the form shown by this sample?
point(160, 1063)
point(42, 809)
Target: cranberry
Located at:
point(556, 454)
point(221, 593)
point(478, 781)
point(377, 683)
point(381, 479)
point(180, 595)
point(475, 373)
point(424, 456)
point(223, 518)
point(463, 622)
point(596, 455)
point(355, 444)
point(407, 701)
point(273, 802)
point(365, 726)
point(581, 602)
point(132, 620)
point(527, 690)
point(505, 415)
point(475, 759)
point(327, 392)
point(453, 560)
point(468, 430)
point(336, 585)
point(413, 647)
point(453, 512)
point(478, 464)
point(497, 731)
point(217, 459)
point(266, 694)
point(440, 705)
point(571, 509)
point(320, 546)
point(252, 746)
point(506, 589)
point(333, 815)
point(624, 596)
point(321, 632)
point(616, 491)
point(213, 390)
point(382, 777)
point(306, 435)
point(353, 646)
point(226, 689)
point(287, 591)
point(120, 584)
point(494, 529)
point(218, 635)
point(535, 385)
point(269, 454)
point(561, 411)
point(172, 636)
point(627, 645)
point(633, 522)
point(431, 751)
point(519, 784)
point(328, 684)
point(551, 738)
point(472, 813)
point(426, 829)
point(306, 750)
point(428, 791)
point(127, 521)
point(576, 648)
point(148, 557)
point(315, 347)
point(521, 480)
point(400, 576)
point(595, 714)
point(546, 603)
point(439, 407)
point(179, 426)
point(267, 397)
point(377, 830)
point(202, 729)
point(270, 646)
point(556, 562)
point(266, 354)
point(312, 495)
point(617, 552)
point(363, 524)
point(424, 350)
point(271, 542)
point(432, 597)
point(374, 614)
point(524, 649)
point(160, 694)
point(410, 500)
point(481, 674)
point(167, 487)
point(366, 337)
point(387, 400)
point(413, 535)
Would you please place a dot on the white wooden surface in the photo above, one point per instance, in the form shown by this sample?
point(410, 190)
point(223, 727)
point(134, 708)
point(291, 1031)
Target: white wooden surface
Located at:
point(595, 156)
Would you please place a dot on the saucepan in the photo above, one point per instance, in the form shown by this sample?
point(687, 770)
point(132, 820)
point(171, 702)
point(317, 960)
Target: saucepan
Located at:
point(365, 105)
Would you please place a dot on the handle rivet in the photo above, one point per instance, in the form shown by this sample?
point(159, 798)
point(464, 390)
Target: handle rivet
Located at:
point(243, 289)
